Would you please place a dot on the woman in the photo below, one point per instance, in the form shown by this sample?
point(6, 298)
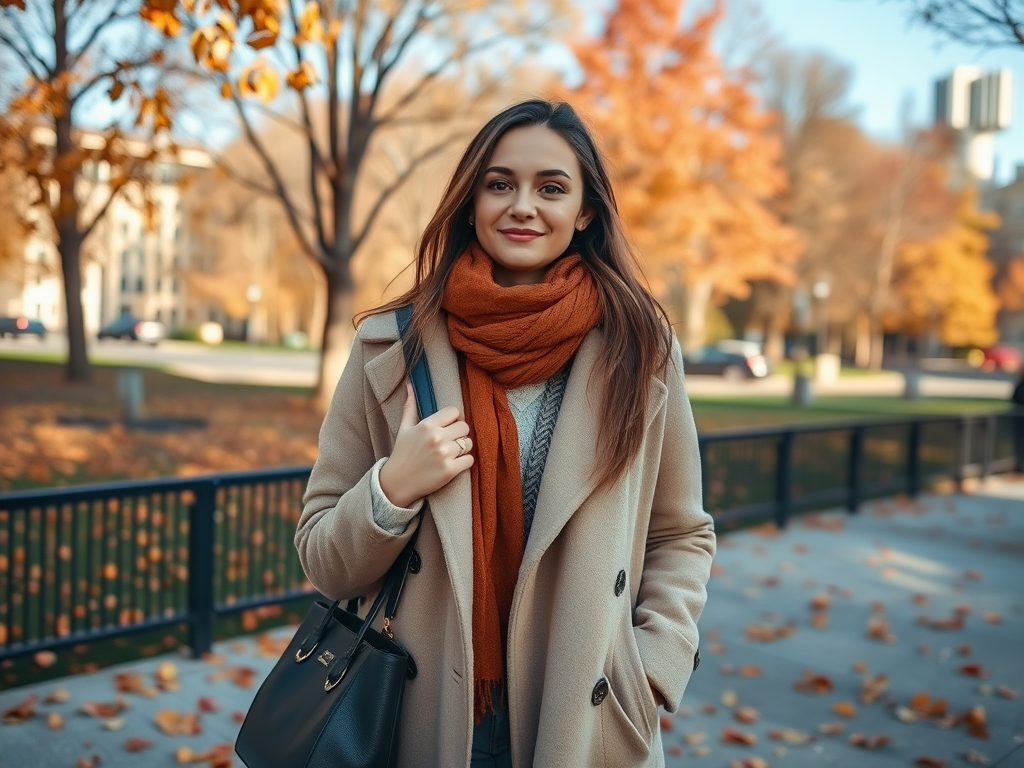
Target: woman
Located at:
point(564, 550)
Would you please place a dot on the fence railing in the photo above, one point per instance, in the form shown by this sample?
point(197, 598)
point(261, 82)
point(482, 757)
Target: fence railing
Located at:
point(87, 563)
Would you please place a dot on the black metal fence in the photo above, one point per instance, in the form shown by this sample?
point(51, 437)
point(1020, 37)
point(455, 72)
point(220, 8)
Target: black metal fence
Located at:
point(92, 562)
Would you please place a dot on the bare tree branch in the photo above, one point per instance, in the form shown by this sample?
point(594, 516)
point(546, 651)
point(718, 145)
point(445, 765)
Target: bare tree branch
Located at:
point(28, 57)
point(984, 23)
point(100, 28)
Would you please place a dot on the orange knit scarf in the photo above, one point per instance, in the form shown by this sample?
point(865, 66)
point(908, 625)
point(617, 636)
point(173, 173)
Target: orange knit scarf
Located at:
point(506, 337)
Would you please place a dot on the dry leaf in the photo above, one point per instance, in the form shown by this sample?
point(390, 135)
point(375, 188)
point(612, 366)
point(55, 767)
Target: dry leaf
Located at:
point(114, 724)
point(820, 602)
point(831, 729)
point(791, 736)
point(208, 704)
point(104, 710)
point(735, 736)
point(133, 682)
point(868, 742)
point(54, 721)
point(729, 698)
point(814, 683)
point(92, 761)
point(974, 670)
point(873, 687)
point(749, 670)
point(135, 744)
point(694, 737)
point(45, 659)
point(930, 762)
point(746, 715)
point(992, 617)
point(845, 709)
point(973, 757)
point(22, 711)
point(976, 720)
point(167, 677)
point(748, 762)
point(665, 722)
point(57, 696)
point(1007, 693)
point(174, 723)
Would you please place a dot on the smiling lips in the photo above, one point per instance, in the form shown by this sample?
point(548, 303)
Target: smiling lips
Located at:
point(520, 235)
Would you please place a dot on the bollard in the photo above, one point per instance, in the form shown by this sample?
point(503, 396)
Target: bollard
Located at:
point(129, 387)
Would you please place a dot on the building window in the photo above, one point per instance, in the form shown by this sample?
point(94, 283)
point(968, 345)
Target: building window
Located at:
point(174, 318)
point(174, 285)
point(124, 283)
point(159, 283)
point(159, 315)
point(139, 286)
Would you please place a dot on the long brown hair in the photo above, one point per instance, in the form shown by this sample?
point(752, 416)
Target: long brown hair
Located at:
point(637, 335)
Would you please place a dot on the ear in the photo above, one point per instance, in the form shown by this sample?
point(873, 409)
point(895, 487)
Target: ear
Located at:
point(584, 219)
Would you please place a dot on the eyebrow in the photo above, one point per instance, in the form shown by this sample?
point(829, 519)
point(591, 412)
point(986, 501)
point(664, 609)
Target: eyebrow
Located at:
point(508, 172)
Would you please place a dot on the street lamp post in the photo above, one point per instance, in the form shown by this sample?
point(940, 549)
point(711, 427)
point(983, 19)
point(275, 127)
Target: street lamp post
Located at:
point(801, 382)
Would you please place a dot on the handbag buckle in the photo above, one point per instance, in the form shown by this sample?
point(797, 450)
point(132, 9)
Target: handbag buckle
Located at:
point(328, 685)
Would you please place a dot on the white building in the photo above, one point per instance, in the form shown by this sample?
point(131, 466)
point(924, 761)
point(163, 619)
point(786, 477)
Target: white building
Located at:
point(126, 267)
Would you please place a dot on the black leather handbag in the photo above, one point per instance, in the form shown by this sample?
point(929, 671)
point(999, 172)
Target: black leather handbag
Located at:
point(334, 698)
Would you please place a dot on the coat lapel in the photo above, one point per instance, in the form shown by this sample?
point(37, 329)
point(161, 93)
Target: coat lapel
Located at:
point(569, 473)
point(449, 506)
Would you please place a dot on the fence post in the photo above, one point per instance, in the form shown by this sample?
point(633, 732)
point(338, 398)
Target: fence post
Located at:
point(783, 478)
point(200, 567)
point(914, 460)
point(989, 448)
point(963, 451)
point(853, 488)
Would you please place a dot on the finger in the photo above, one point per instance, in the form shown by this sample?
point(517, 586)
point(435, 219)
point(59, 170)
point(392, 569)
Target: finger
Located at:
point(444, 417)
point(456, 447)
point(455, 430)
point(410, 416)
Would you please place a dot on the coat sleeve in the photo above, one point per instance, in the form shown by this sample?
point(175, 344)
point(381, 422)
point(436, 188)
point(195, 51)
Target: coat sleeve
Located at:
point(680, 546)
point(343, 552)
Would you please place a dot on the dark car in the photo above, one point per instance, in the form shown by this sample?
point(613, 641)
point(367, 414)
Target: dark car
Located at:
point(21, 326)
point(134, 329)
point(731, 366)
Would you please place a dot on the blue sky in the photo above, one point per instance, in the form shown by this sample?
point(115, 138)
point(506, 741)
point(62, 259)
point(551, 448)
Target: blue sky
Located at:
point(889, 58)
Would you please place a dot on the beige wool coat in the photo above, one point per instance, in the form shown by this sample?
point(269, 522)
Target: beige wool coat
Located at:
point(610, 588)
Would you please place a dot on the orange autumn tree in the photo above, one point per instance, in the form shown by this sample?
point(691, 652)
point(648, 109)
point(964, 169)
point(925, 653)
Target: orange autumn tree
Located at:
point(691, 153)
point(943, 285)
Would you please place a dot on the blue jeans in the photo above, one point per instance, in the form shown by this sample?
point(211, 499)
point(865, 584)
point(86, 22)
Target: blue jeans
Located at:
point(492, 740)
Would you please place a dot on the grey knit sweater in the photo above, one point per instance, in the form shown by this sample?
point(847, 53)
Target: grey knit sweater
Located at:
point(535, 409)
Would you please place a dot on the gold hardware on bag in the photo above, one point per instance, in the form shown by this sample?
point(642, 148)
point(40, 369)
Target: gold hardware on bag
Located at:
point(387, 629)
point(300, 656)
point(325, 658)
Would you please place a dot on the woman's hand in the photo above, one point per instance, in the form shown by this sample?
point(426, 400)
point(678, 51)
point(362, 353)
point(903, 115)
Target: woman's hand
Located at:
point(425, 456)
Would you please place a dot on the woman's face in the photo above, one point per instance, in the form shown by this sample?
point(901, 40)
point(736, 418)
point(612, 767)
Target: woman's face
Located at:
point(528, 204)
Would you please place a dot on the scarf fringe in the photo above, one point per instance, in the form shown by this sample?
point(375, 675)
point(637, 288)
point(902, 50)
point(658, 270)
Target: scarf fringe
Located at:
point(483, 698)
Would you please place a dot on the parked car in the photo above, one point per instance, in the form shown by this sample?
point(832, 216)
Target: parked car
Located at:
point(21, 326)
point(132, 328)
point(1002, 357)
point(732, 366)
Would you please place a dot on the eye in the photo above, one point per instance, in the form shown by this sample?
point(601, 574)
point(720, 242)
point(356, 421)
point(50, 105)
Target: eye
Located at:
point(499, 185)
point(552, 189)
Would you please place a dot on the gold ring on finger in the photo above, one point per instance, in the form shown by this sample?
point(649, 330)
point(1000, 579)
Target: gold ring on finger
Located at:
point(463, 443)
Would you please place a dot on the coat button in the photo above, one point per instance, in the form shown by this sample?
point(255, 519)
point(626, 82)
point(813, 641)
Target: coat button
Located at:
point(620, 583)
point(415, 563)
point(600, 692)
point(696, 658)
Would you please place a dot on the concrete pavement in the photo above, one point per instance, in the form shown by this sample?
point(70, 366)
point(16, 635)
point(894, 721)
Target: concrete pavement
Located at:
point(878, 617)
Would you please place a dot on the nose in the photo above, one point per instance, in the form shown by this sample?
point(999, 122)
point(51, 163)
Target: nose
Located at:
point(522, 206)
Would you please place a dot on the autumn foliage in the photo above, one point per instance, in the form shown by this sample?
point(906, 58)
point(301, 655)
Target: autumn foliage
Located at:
point(692, 154)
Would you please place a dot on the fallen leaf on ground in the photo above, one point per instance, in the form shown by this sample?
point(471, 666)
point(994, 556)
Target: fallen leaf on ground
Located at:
point(845, 709)
point(746, 715)
point(174, 723)
point(873, 687)
point(57, 696)
point(114, 724)
point(701, 750)
point(104, 710)
point(21, 711)
point(992, 617)
point(923, 705)
point(878, 628)
point(133, 682)
point(243, 677)
point(736, 736)
point(45, 659)
point(812, 682)
point(167, 677)
point(860, 667)
point(135, 744)
point(964, 649)
point(54, 721)
point(88, 762)
point(973, 757)
point(208, 704)
point(665, 722)
point(694, 737)
point(821, 602)
point(974, 670)
point(767, 633)
point(831, 729)
point(791, 736)
point(1007, 693)
point(749, 670)
point(868, 742)
point(729, 698)
point(748, 762)
point(930, 762)
point(976, 720)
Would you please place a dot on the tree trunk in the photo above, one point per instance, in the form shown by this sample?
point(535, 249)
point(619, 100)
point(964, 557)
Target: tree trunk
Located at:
point(337, 338)
point(877, 344)
point(698, 294)
point(78, 368)
point(862, 346)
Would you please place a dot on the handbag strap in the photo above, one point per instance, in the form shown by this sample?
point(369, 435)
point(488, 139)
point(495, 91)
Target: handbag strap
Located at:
point(394, 580)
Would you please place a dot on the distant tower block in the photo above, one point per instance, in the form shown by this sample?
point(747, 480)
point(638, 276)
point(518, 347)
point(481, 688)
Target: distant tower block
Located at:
point(975, 105)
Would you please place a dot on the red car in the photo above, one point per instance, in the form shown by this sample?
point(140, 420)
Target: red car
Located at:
point(1002, 357)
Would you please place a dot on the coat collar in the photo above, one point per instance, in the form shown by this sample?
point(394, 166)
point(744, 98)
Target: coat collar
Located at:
point(569, 476)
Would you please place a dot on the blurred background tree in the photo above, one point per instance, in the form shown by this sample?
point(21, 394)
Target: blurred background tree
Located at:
point(70, 57)
point(984, 23)
point(693, 157)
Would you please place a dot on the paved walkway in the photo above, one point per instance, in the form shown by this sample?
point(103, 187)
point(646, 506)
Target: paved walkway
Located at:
point(920, 612)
